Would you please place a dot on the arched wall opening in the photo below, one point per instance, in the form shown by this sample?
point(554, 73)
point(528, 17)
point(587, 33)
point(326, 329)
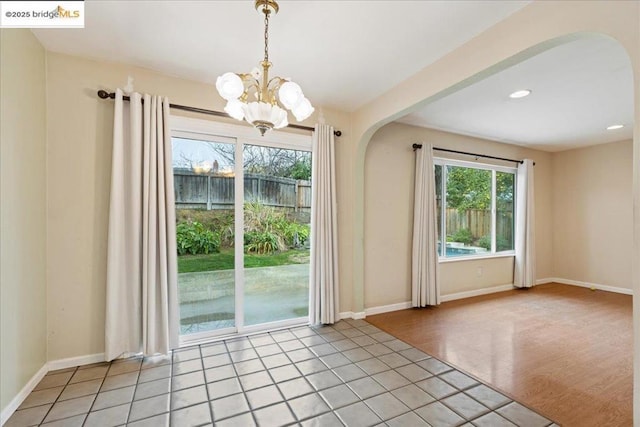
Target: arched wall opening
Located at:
point(398, 102)
point(596, 213)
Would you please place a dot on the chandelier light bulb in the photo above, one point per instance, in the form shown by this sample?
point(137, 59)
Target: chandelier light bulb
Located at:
point(234, 108)
point(303, 110)
point(290, 95)
point(229, 86)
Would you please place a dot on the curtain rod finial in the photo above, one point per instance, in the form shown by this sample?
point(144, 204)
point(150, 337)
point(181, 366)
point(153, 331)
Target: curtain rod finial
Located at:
point(416, 146)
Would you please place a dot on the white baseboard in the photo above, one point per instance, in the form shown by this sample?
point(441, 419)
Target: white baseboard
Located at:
point(444, 298)
point(594, 286)
point(476, 292)
point(75, 361)
point(387, 308)
point(351, 315)
point(47, 367)
point(22, 395)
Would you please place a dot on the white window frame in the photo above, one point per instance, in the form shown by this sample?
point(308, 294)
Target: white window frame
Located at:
point(206, 130)
point(444, 162)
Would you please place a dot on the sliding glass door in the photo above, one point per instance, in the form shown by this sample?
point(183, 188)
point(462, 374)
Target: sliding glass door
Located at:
point(204, 181)
point(277, 217)
point(243, 210)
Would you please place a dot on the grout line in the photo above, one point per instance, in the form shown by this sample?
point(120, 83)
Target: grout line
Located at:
point(96, 395)
point(57, 398)
point(206, 387)
point(243, 391)
point(135, 389)
point(268, 370)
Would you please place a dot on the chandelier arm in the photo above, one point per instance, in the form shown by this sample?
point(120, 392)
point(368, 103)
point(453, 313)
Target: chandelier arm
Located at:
point(273, 90)
point(250, 82)
point(279, 81)
point(274, 99)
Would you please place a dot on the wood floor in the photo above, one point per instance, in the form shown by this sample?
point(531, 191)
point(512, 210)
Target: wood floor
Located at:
point(562, 350)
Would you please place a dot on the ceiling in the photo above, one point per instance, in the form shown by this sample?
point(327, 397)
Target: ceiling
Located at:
point(578, 89)
point(342, 53)
point(346, 53)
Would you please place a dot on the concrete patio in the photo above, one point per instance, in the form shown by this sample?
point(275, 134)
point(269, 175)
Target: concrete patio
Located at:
point(207, 299)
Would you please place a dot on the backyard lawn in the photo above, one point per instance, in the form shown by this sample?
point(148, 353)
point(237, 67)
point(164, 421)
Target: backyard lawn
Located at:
point(224, 260)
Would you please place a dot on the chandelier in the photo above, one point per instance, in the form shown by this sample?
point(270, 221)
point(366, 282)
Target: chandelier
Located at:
point(271, 95)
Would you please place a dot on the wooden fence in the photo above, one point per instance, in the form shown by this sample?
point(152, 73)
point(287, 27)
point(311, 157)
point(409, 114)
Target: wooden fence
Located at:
point(211, 191)
point(479, 222)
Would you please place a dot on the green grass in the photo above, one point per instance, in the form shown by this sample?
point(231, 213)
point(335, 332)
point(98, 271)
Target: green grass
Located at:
point(224, 260)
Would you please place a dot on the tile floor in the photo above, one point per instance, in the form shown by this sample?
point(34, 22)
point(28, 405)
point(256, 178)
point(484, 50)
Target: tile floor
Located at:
point(350, 374)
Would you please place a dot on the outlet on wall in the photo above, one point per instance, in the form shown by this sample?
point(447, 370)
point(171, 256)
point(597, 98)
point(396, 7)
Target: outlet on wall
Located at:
point(479, 272)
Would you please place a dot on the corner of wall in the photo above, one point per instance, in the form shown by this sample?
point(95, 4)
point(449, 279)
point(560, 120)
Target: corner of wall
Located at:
point(23, 215)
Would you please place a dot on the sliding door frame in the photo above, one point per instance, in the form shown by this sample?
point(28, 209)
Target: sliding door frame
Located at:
point(186, 127)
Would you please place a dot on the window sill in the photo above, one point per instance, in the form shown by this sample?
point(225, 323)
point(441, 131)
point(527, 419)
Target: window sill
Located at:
point(475, 257)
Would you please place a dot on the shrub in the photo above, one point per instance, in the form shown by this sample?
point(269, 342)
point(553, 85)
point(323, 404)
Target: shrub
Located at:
point(295, 234)
point(502, 244)
point(264, 225)
point(485, 242)
point(463, 236)
point(266, 229)
point(260, 242)
point(218, 221)
point(193, 238)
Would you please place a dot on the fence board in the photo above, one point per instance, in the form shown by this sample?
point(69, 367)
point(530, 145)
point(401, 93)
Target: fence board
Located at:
point(479, 222)
point(198, 191)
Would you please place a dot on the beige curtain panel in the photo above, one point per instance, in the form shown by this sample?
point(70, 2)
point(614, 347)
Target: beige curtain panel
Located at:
point(324, 229)
point(524, 275)
point(425, 284)
point(141, 310)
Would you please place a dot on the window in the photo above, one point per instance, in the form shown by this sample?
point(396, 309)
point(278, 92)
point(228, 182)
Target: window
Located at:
point(475, 207)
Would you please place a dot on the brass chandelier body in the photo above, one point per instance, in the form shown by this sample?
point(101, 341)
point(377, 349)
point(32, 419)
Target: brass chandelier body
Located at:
point(271, 95)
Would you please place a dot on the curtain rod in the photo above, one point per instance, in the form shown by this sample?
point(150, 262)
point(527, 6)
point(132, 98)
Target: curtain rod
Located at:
point(416, 146)
point(103, 94)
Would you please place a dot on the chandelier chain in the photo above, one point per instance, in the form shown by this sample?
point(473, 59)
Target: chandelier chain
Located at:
point(266, 34)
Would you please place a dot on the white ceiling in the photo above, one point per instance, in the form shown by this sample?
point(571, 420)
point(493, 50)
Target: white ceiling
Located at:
point(342, 53)
point(578, 89)
point(346, 53)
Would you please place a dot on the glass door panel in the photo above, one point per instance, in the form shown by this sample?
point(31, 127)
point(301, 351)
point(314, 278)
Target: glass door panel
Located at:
point(277, 218)
point(204, 181)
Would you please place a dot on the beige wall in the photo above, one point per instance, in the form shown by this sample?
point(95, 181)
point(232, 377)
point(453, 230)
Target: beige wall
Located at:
point(533, 29)
point(22, 211)
point(79, 131)
point(592, 215)
point(389, 167)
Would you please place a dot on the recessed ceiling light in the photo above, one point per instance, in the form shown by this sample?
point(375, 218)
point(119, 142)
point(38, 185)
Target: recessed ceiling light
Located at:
point(520, 93)
point(614, 127)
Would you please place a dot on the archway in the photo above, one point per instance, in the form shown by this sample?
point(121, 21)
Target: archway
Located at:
point(534, 29)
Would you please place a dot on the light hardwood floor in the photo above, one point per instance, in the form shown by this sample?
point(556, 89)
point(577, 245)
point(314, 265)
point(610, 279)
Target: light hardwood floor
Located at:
point(562, 350)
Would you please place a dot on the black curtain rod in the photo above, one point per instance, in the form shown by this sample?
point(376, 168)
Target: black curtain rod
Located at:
point(103, 94)
point(416, 146)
